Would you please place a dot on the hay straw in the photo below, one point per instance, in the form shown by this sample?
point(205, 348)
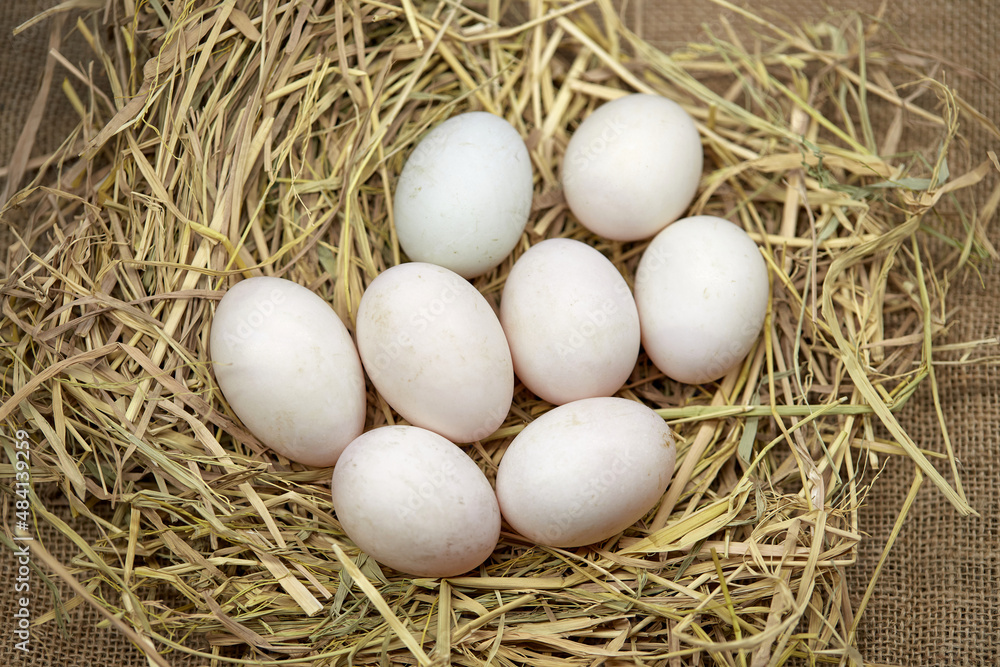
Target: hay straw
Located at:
point(235, 145)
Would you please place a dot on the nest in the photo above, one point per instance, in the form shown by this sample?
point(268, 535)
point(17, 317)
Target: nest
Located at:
point(233, 145)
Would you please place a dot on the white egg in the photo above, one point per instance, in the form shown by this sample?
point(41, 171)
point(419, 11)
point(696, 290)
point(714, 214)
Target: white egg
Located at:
point(701, 288)
point(570, 320)
point(632, 167)
point(464, 195)
point(435, 350)
point(288, 368)
point(585, 471)
point(415, 502)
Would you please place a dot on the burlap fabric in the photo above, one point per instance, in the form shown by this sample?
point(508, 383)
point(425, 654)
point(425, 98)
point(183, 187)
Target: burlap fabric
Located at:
point(937, 602)
point(22, 60)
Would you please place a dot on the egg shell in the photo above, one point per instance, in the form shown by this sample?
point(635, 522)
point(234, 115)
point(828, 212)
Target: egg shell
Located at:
point(416, 502)
point(701, 288)
point(288, 368)
point(632, 167)
point(434, 349)
point(570, 321)
point(585, 471)
point(463, 197)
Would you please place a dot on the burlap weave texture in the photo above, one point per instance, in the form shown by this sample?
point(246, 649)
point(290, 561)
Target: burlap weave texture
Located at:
point(937, 601)
point(22, 59)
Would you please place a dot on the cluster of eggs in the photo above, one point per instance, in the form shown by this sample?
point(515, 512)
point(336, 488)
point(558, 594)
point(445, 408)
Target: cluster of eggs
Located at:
point(568, 327)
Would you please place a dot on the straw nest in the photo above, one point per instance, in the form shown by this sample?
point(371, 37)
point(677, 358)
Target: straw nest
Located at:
point(233, 146)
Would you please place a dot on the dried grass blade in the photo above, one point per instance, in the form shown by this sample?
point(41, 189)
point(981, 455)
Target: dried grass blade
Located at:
point(860, 377)
point(359, 579)
point(310, 605)
point(238, 629)
point(911, 496)
point(929, 361)
point(442, 644)
point(51, 371)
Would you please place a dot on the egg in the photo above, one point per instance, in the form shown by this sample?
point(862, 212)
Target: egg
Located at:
point(416, 502)
point(632, 167)
point(463, 197)
point(585, 471)
point(289, 369)
point(435, 351)
point(570, 321)
point(701, 288)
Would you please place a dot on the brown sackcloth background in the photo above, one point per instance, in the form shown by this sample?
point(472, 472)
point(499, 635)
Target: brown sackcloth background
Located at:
point(937, 602)
point(22, 60)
